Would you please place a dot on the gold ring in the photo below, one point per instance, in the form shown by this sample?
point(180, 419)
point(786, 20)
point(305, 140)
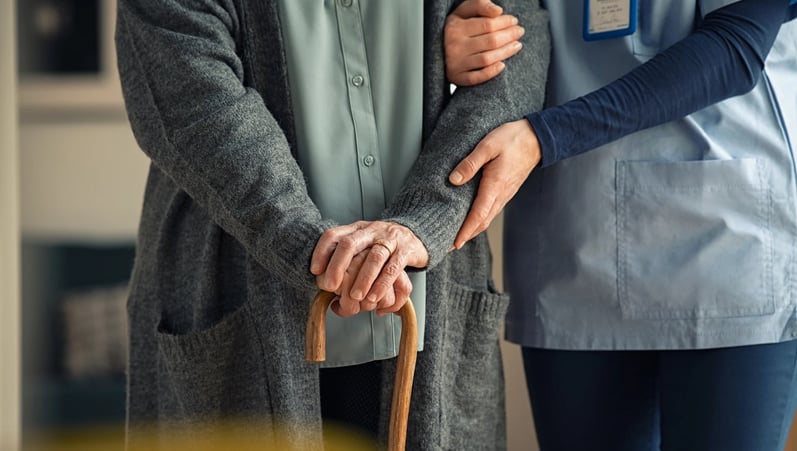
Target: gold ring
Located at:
point(384, 244)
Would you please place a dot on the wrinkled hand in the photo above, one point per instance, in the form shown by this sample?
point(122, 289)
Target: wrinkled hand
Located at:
point(364, 264)
point(507, 155)
point(478, 38)
point(392, 301)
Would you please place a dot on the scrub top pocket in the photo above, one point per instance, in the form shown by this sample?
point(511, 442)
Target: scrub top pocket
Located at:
point(693, 239)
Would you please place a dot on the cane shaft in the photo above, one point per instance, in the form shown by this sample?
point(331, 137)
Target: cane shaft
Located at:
point(315, 351)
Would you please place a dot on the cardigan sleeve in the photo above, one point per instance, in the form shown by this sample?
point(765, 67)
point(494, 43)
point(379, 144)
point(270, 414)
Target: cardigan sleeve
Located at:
point(193, 116)
point(428, 204)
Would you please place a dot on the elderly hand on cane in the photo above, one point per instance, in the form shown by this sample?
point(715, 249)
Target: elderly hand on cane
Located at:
point(363, 263)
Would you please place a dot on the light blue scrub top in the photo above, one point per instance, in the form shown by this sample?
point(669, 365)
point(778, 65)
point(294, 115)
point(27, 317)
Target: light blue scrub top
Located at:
point(355, 69)
point(682, 236)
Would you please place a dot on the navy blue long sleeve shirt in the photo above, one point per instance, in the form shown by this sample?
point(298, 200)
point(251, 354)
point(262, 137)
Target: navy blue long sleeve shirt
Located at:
point(723, 58)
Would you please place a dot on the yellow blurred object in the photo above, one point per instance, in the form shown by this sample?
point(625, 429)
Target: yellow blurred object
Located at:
point(230, 436)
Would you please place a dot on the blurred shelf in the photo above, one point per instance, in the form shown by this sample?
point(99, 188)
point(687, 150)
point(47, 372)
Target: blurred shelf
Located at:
point(56, 403)
point(54, 396)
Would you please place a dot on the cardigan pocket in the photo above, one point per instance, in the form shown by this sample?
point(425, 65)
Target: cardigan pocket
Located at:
point(694, 239)
point(472, 404)
point(218, 373)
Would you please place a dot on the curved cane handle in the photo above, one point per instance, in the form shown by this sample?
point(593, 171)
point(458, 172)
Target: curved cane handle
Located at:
point(315, 342)
point(315, 351)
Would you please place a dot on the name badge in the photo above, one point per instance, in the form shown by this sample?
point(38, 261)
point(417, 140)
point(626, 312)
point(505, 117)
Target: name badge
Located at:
point(606, 19)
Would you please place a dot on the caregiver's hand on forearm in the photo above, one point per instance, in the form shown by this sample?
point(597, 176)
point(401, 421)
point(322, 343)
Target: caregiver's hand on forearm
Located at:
point(506, 156)
point(372, 255)
point(478, 38)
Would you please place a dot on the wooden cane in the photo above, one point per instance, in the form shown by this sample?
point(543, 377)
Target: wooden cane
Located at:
point(315, 351)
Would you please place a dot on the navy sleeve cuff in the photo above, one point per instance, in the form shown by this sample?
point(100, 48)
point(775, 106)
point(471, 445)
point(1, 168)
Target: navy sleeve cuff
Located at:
point(545, 138)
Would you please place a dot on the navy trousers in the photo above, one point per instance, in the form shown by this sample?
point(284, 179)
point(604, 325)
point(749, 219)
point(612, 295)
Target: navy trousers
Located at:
point(731, 399)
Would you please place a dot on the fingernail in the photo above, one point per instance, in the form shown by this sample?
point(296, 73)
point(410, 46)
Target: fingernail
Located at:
point(371, 298)
point(522, 31)
point(314, 269)
point(518, 45)
point(456, 177)
point(514, 20)
point(452, 248)
point(357, 294)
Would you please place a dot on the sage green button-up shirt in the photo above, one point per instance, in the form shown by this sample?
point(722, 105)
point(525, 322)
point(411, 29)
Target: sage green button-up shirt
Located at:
point(355, 73)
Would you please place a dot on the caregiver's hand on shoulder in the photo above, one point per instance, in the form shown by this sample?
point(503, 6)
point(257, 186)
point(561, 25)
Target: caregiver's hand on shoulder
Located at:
point(478, 38)
point(506, 156)
point(363, 262)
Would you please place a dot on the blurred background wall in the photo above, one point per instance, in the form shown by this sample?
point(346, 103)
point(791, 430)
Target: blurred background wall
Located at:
point(9, 234)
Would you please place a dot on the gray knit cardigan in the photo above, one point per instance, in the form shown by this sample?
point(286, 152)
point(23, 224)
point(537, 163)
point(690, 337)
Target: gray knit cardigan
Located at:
point(221, 284)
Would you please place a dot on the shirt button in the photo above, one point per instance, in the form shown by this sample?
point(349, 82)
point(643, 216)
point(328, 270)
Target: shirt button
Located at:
point(369, 160)
point(345, 3)
point(357, 80)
